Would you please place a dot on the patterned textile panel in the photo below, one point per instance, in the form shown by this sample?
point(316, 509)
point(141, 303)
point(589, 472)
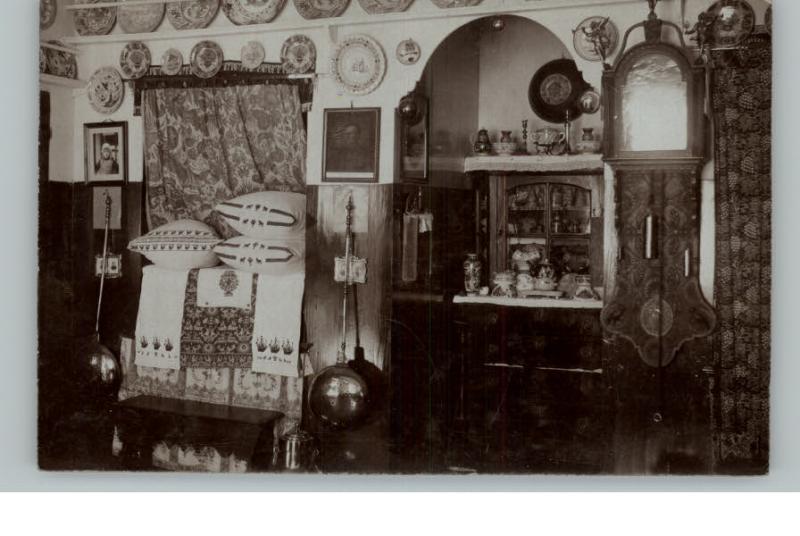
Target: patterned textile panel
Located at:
point(215, 336)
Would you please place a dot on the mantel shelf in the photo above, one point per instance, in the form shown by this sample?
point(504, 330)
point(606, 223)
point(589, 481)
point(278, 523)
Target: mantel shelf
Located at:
point(579, 163)
point(61, 81)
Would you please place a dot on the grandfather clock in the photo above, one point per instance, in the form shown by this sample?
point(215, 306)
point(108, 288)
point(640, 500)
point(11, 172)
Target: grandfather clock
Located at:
point(654, 137)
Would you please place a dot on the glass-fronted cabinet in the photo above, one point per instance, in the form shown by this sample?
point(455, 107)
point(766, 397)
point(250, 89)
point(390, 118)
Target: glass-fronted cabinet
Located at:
point(552, 218)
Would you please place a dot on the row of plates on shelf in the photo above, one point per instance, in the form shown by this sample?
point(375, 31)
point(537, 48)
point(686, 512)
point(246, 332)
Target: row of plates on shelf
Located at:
point(195, 14)
point(358, 64)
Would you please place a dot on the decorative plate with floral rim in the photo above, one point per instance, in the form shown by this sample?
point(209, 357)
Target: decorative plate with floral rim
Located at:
point(61, 62)
point(375, 7)
point(358, 64)
point(241, 12)
point(47, 13)
point(298, 55)
point(97, 21)
point(592, 34)
point(139, 19)
point(444, 4)
point(252, 55)
point(134, 60)
point(106, 90)
point(320, 9)
point(206, 59)
point(192, 14)
point(734, 20)
point(171, 61)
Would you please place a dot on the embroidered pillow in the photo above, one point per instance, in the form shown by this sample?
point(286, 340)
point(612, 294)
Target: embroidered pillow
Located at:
point(262, 256)
point(266, 214)
point(179, 245)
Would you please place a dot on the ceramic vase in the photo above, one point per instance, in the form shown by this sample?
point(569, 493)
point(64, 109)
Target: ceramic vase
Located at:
point(472, 274)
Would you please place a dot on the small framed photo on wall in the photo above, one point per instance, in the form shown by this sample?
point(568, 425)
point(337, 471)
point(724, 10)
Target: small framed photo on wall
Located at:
point(106, 152)
point(351, 145)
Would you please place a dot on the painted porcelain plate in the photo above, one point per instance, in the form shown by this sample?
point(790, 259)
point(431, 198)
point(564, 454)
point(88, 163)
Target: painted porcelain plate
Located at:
point(241, 12)
point(375, 7)
point(106, 90)
point(556, 89)
point(42, 60)
point(192, 14)
point(358, 64)
point(734, 20)
point(47, 13)
point(141, 18)
point(60, 62)
point(171, 61)
point(590, 101)
point(206, 59)
point(298, 55)
point(444, 4)
point(134, 59)
point(408, 52)
point(768, 19)
point(252, 55)
point(97, 21)
point(591, 35)
point(320, 9)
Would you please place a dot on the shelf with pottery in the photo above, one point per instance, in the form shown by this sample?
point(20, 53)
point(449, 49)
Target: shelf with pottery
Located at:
point(332, 25)
point(541, 303)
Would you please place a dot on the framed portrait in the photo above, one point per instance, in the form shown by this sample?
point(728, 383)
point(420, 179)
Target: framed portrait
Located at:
point(351, 145)
point(412, 122)
point(106, 152)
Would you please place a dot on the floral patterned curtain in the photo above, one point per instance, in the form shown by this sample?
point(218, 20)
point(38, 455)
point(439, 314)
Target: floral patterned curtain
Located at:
point(741, 100)
point(206, 145)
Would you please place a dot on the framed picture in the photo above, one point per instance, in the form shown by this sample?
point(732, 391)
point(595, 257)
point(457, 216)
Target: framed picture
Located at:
point(413, 147)
point(351, 145)
point(106, 152)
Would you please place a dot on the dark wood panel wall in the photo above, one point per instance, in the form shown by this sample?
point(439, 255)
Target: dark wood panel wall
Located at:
point(325, 240)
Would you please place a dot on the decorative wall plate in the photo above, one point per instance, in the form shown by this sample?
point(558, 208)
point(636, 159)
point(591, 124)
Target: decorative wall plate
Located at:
point(61, 63)
point(42, 60)
point(47, 13)
point(206, 59)
point(555, 89)
point(444, 4)
point(594, 34)
point(734, 20)
point(97, 21)
point(241, 12)
point(320, 9)
point(298, 54)
point(139, 19)
point(134, 59)
point(408, 52)
point(358, 64)
point(171, 61)
point(252, 54)
point(106, 90)
point(375, 7)
point(192, 14)
point(590, 101)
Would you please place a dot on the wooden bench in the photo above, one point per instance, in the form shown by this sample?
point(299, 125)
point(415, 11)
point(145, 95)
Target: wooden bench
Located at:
point(144, 421)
